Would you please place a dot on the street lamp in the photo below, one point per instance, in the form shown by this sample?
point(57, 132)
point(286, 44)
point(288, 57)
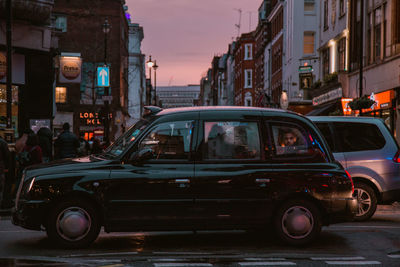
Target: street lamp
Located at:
point(155, 67)
point(150, 65)
point(106, 30)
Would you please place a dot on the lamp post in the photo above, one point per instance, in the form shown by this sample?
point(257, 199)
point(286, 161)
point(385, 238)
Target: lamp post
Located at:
point(361, 51)
point(9, 63)
point(106, 30)
point(155, 67)
point(150, 65)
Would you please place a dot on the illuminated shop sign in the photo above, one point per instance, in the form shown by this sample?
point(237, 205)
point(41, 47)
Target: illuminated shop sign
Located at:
point(382, 100)
point(3, 65)
point(90, 118)
point(70, 69)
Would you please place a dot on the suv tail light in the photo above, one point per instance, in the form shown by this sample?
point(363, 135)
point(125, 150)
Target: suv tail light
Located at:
point(351, 180)
point(396, 157)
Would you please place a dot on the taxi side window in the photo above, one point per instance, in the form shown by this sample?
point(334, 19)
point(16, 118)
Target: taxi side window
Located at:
point(230, 140)
point(292, 143)
point(169, 140)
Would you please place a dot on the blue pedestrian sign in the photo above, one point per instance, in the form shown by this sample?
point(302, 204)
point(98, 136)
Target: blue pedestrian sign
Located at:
point(103, 76)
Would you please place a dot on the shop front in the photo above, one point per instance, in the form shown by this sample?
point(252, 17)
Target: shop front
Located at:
point(329, 103)
point(383, 108)
point(91, 125)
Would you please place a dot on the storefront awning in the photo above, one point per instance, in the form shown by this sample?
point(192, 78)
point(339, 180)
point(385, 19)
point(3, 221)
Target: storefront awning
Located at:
point(324, 110)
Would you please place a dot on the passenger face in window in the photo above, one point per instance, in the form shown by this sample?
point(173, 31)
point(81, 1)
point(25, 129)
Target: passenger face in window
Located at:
point(289, 138)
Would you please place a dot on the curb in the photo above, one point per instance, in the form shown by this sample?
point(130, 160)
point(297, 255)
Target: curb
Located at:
point(5, 212)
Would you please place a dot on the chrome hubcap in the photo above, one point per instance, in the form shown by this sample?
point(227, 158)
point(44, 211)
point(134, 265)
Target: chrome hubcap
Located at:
point(297, 222)
point(73, 223)
point(364, 201)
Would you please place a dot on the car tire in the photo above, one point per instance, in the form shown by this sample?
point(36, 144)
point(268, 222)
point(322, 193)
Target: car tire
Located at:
point(73, 224)
point(367, 201)
point(297, 222)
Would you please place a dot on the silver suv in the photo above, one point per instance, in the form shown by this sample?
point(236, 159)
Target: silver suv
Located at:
point(367, 150)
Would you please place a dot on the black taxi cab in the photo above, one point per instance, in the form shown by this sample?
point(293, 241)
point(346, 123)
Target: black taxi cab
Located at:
point(200, 168)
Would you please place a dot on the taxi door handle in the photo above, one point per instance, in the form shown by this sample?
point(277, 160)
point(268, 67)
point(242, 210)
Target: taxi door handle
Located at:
point(263, 180)
point(182, 181)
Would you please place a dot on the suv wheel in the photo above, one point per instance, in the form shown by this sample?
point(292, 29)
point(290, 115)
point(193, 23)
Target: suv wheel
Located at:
point(73, 224)
point(297, 222)
point(367, 202)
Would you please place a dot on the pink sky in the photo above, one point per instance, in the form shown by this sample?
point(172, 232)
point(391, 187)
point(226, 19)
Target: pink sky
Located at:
point(184, 35)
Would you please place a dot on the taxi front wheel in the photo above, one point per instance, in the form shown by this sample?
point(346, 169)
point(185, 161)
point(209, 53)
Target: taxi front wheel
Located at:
point(73, 224)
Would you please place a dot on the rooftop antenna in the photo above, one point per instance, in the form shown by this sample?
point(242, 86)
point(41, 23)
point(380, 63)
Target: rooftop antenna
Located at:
point(240, 20)
point(250, 20)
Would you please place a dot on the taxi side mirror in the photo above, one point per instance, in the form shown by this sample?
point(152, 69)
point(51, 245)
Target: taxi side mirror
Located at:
point(141, 156)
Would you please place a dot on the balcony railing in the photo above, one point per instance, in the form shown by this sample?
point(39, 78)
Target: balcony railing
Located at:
point(34, 11)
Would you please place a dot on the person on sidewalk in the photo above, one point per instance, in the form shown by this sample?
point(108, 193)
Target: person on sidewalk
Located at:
point(46, 143)
point(5, 159)
point(84, 147)
point(20, 143)
point(32, 152)
point(66, 143)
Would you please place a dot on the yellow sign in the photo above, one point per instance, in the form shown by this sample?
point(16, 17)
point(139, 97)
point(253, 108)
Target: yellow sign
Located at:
point(3, 66)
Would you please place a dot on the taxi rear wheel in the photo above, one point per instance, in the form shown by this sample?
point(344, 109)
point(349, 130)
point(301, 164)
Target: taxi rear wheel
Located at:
point(73, 224)
point(297, 222)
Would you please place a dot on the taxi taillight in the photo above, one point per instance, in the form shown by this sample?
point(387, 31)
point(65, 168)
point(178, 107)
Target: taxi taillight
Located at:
point(351, 180)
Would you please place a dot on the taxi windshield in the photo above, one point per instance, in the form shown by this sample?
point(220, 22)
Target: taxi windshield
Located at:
point(116, 148)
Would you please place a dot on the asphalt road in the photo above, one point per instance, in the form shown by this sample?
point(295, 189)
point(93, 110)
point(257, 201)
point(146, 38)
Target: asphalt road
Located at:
point(372, 243)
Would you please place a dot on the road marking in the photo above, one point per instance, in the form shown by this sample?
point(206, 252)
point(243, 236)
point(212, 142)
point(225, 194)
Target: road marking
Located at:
point(103, 254)
point(180, 253)
point(267, 263)
point(336, 258)
point(363, 226)
point(173, 260)
point(353, 262)
point(264, 259)
point(182, 264)
point(394, 256)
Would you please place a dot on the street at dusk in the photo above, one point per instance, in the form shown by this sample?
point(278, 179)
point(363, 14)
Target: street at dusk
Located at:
point(199, 133)
point(375, 243)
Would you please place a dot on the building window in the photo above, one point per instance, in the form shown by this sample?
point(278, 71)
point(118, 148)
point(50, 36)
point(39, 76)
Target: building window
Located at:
point(60, 22)
point(396, 24)
point(377, 33)
point(248, 52)
point(308, 43)
point(325, 14)
point(248, 78)
point(341, 8)
point(342, 54)
point(61, 95)
point(325, 62)
point(309, 5)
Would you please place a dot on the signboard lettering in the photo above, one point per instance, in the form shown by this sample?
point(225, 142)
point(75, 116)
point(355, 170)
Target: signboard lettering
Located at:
point(70, 69)
point(334, 94)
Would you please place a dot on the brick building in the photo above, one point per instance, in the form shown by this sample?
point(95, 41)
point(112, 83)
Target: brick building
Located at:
point(80, 32)
point(276, 20)
point(32, 64)
point(244, 70)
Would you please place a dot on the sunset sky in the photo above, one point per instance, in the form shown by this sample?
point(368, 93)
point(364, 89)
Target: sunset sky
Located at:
point(184, 35)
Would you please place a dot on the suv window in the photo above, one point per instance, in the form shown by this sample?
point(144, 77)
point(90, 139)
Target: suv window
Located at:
point(326, 131)
point(231, 140)
point(169, 140)
point(294, 144)
point(359, 136)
